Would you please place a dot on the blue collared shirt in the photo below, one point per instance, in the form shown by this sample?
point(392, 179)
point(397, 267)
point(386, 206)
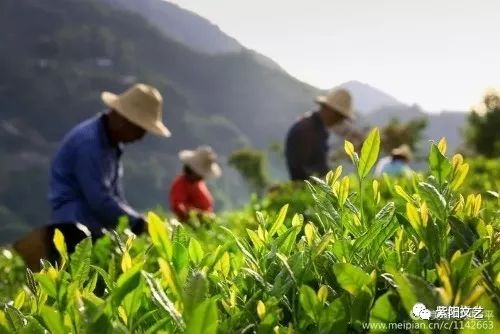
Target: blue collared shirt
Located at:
point(392, 167)
point(86, 179)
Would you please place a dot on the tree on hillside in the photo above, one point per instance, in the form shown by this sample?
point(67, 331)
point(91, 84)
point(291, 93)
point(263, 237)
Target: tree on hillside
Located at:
point(397, 133)
point(482, 132)
point(250, 163)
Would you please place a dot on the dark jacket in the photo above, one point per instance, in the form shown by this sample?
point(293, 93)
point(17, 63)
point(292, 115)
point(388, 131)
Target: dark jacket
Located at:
point(306, 148)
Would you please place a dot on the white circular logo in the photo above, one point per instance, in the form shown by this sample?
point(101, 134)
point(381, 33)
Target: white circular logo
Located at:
point(420, 311)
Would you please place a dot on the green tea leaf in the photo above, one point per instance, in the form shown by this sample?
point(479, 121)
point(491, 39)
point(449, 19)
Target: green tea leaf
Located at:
point(30, 282)
point(248, 255)
point(383, 311)
point(327, 238)
point(257, 242)
point(459, 177)
point(286, 241)
point(204, 319)
point(126, 262)
point(284, 260)
point(369, 153)
point(323, 293)
point(379, 232)
point(127, 282)
point(159, 326)
point(19, 300)
point(159, 236)
point(93, 308)
point(461, 264)
point(309, 301)
point(439, 165)
point(180, 258)
point(80, 261)
point(15, 318)
point(53, 320)
point(351, 278)
point(334, 319)
point(343, 190)
point(33, 326)
point(163, 301)
point(60, 244)
point(224, 264)
point(195, 251)
point(401, 192)
point(309, 232)
point(170, 277)
point(47, 284)
point(412, 290)
point(195, 293)
point(105, 276)
point(360, 307)
point(132, 302)
point(261, 310)
point(279, 220)
point(435, 200)
point(349, 149)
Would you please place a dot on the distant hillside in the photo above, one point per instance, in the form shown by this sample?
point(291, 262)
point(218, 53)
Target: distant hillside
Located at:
point(54, 68)
point(188, 28)
point(367, 98)
point(58, 55)
point(182, 25)
point(445, 124)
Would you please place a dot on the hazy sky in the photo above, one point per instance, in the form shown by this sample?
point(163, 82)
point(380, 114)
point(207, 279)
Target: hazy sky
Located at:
point(441, 54)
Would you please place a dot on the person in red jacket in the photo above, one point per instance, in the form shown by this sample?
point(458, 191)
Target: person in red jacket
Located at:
point(188, 191)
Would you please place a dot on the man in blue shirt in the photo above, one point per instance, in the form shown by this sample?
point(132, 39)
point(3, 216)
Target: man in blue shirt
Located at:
point(86, 193)
point(397, 164)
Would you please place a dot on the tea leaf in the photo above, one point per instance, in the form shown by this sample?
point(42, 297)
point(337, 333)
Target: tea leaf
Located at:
point(383, 311)
point(401, 192)
point(162, 300)
point(459, 177)
point(309, 233)
point(60, 244)
point(195, 293)
point(309, 301)
point(349, 149)
point(80, 261)
point(170, 277)
point(53, 320)
point(127, 282)
point(440, 166)
point(279, 220)
point(343, 191)
point(350, 278)
point(126, 263)
point(47, 284)
point(159, 237)
point(204, 319)
point(369, 153)
point(195, 251)
point(261, 310)
point(323, 294)
point(442, 145)
point(19, 300)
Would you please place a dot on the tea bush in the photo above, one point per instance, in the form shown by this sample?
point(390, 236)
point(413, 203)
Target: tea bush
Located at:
point(354, 252)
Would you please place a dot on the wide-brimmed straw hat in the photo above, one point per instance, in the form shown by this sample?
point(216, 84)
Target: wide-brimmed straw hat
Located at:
point(142, 105)
point(338, 99)
point(203, 161)
point(402, 151)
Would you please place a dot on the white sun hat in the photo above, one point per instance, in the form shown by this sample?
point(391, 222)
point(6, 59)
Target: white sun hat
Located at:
point(338, 99)
point(142, 105)
point(203, 161)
